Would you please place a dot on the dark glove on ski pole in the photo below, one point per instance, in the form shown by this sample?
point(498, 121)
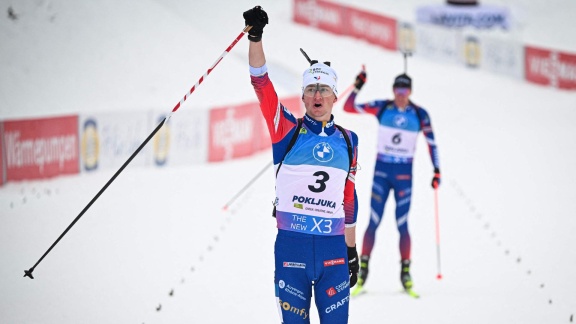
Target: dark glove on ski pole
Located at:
point(353, 265)
point(360, 80)
point(257, 18)
point(436, 179)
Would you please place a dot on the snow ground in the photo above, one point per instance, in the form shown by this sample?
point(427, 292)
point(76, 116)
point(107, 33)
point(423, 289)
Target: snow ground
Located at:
point(157, 246)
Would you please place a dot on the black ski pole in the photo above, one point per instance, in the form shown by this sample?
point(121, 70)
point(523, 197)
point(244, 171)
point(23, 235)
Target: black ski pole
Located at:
point(231, 201)
point(307, 57)
point(312, 62)
point(28, 273)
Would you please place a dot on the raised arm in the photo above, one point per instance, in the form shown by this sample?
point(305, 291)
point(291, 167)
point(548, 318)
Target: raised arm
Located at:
point(256, 56)
point(350, 105)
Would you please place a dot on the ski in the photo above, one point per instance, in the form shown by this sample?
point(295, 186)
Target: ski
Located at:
point(358, 290)
point(411, 293)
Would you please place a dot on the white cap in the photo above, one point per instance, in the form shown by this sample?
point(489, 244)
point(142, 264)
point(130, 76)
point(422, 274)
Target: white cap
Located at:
point(320, 73)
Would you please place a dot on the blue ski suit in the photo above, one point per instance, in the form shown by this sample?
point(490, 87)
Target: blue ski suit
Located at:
point(315, 202)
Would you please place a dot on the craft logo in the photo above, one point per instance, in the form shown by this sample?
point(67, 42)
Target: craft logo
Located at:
point(90, 145)
point(331, 292)
point(338, 304)
point(334, 262)
point(323, 152)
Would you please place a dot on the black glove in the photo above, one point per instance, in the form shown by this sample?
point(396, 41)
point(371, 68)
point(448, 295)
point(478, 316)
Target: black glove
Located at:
point(436, 179)
point(353, 265)
point(360, 80)
point(257, 18)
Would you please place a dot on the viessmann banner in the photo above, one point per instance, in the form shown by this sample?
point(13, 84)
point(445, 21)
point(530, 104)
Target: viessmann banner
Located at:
point(239, 130)
point(548, 67)
point(347, 21)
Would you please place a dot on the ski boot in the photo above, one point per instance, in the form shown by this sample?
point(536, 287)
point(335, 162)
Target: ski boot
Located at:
point(406, 279)
point(362, 276)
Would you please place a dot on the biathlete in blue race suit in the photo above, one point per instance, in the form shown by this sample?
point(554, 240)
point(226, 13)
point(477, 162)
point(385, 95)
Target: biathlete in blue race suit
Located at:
point(400, 121)
point(315, 195)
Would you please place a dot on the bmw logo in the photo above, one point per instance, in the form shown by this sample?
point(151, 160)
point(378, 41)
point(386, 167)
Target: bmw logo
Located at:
point(400, 121)
point(323, 152)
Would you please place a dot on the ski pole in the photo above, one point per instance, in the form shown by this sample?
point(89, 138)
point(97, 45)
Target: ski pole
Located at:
point(345, 93)
point(406, 54)
point(439, 275)
point(231, 201)
point(28, 273)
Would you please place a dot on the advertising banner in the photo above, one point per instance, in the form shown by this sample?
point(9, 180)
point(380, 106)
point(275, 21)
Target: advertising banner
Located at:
point(183, 140)
point(373, 28)
point(438, 43)
point(2, 171)
point(41, 148)
point(324, 15)
point(478, 16)
point(494, 54)
point(548, 67)
point(240, 130)
point(107, 140)
point(232, 131)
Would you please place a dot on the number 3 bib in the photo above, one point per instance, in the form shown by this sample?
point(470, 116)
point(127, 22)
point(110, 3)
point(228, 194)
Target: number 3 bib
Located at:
point(310, 185)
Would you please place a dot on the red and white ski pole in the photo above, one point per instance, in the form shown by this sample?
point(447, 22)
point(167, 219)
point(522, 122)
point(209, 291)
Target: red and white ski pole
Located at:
point(436, 218)
point(246, 29)
point(28, 273)
point(350, 87)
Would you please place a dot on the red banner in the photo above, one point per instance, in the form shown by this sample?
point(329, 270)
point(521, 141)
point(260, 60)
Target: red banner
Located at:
point(41, 148)
point(2, 174)
point(232, 131)
point(348, 21)
point(373, 28)
point(321, 14)
point(240, 130)
point(547, 67)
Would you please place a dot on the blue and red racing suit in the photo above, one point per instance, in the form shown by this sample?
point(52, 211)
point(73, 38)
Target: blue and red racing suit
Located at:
point(397, 134)
point(315, 202)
